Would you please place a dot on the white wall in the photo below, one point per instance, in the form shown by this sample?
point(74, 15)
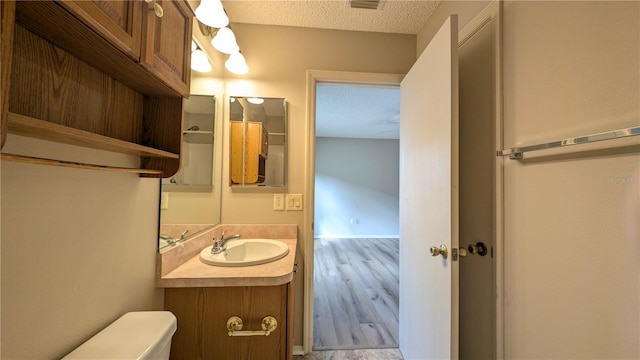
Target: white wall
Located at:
point(78, 248)
point(572, 219)
point(356, 179)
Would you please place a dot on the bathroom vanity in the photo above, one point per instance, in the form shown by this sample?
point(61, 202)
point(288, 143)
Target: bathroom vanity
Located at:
point(210, 301)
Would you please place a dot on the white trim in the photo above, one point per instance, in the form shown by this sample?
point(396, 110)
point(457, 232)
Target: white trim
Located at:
point(483, 18)
point(314, 77)
point(297, 350)
point(492, 14)
point(499, 182)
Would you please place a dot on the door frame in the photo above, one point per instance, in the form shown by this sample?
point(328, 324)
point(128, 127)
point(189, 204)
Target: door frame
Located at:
point(492, 13)
point(313, 78)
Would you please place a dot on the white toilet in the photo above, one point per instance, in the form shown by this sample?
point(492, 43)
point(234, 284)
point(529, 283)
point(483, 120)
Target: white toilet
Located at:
point(135, 335)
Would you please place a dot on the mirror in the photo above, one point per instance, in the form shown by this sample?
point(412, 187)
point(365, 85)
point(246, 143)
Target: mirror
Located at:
point(258, 143)
point(196, 170)
point(190, 200)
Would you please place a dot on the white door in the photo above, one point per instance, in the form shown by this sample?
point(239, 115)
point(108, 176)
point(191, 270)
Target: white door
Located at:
point(429, 200)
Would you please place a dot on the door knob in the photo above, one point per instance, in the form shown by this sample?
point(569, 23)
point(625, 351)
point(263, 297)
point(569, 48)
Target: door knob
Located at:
point(442, 250)
point(479, 248)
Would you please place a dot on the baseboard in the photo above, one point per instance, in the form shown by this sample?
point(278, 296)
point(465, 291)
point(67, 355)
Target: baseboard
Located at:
point(357, 237)
point(297, 350)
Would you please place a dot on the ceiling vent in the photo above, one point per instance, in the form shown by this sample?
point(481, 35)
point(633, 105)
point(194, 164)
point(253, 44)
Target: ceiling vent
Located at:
point(365, 4)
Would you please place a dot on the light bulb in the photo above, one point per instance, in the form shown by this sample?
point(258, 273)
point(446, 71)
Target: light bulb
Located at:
point(225, 41)
point(255, 101)
point(211, 13)
point(237, 64)
point(199, 61)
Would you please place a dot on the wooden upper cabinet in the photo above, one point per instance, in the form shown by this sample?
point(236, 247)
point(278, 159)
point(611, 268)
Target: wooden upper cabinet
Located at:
point(120, 22)
point(166, 42)
point(157, 33)
point(103, 74)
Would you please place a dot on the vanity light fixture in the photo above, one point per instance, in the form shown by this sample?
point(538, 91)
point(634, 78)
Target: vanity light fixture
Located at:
point(211, 13)
point(225, 41)
point(213, 21)
point(199, 60)
point(237, 64)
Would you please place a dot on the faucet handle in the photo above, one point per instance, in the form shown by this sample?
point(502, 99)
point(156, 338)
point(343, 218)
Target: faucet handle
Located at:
point(216, 246)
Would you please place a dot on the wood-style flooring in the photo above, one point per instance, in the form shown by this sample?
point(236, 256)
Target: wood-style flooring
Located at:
point(355, 293)
point(377, 354)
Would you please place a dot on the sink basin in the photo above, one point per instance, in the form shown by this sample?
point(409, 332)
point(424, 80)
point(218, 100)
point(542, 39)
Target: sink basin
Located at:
point(246, 252)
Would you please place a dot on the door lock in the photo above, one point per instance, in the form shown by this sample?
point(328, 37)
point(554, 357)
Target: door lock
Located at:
point(442, 250)
point(479, 248)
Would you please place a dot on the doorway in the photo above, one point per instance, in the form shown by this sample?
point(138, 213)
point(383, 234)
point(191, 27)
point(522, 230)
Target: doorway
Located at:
point(356, 223)
point(481, 317)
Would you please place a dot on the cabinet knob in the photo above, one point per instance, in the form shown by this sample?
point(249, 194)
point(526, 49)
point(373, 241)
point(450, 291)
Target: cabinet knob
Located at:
point(157, 8)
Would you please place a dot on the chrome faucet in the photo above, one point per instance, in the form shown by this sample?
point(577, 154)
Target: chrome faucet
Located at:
point(219, 245)
point(172, 241)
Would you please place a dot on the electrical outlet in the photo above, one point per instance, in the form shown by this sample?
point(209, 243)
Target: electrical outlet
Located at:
point(278, 201)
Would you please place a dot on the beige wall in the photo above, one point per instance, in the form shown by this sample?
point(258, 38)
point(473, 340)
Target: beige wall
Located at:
point(572, 225)
point(78, 249)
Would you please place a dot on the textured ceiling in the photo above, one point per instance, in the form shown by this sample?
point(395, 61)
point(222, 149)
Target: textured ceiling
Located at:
point(355, 111)
point(393, 16)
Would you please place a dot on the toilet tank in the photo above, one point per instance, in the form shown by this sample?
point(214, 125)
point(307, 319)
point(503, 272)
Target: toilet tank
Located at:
point(135, 335)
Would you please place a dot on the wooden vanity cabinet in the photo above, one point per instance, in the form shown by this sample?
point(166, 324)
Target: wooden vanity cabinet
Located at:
point(202, 315)
point(107, 75)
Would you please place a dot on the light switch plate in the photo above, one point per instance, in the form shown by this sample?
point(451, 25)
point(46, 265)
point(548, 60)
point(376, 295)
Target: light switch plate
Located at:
point(293, 202)
point(278, 201)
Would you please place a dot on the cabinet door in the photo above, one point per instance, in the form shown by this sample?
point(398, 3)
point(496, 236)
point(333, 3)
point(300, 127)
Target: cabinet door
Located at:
point(119, 22)
point(166, 42)
point(202, 315)
point(236, 152)
point(253, 146)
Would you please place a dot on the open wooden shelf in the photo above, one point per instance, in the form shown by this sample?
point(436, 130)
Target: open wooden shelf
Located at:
point(44, 130)
point(112, 78)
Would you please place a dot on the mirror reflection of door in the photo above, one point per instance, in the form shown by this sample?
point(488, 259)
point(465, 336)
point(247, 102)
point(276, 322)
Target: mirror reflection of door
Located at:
point(257, 145)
